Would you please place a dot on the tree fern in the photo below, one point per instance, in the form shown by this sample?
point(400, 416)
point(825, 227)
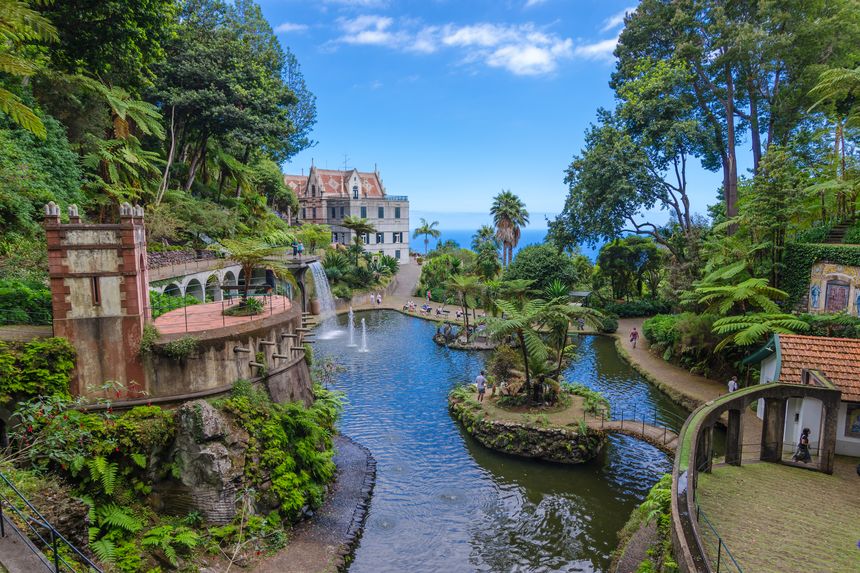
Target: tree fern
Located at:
point(750, 329)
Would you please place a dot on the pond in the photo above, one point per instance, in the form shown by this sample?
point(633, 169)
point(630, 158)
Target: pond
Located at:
point(443, 502)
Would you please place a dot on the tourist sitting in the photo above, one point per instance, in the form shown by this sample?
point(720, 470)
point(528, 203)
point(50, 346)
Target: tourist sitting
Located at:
point(439, 311)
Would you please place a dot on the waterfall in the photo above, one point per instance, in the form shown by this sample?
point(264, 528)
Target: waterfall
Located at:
point(328, 319)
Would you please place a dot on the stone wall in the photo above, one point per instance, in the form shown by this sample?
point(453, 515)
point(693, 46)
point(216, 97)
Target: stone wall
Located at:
point(216, 364)
point(160, 259)
point(553, 444)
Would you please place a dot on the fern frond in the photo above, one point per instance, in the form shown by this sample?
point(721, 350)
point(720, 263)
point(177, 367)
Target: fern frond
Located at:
point(104, 549)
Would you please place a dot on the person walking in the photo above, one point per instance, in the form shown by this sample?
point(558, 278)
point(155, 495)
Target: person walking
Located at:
point(733, 384)
point(481, 383)
point(428, 295)
point(634, 336)
point(802, 454)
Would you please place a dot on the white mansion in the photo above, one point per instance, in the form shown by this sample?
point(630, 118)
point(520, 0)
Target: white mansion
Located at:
point(327, 196)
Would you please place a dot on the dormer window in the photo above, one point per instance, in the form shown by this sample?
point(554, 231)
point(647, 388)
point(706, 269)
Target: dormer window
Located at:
point(355, 191)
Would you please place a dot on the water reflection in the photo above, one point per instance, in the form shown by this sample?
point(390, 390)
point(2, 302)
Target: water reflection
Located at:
point(443, 502)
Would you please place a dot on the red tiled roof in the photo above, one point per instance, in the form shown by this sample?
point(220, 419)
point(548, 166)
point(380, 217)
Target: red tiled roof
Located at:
point(837, 358)
point(334, 182)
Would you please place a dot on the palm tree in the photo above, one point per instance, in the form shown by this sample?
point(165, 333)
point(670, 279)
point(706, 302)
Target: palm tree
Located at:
point(19, 24)
point(252, 254)
point(360, 227)
point(509, 214)
point(465, 286)
point(485, 235)
point(428, 230)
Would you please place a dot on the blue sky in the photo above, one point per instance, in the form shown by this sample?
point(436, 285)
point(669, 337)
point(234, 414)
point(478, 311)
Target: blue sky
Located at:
point(456, 100)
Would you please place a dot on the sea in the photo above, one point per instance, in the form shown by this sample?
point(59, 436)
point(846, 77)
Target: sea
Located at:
point(463, 237)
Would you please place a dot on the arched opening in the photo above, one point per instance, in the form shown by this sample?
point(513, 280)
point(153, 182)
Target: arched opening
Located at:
point(173, 290)
point(195, 289)
point(229, 280)
point(213, 289)
point(355, 191)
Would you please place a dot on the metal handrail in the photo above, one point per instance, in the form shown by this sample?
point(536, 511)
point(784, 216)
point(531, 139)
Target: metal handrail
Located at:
point(721, 564)
point(55, 540)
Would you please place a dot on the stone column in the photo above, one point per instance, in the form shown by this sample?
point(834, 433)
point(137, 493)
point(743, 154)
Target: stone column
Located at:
point(773, 429)
point(827, 436)
point(734, 438)
point(705, 450)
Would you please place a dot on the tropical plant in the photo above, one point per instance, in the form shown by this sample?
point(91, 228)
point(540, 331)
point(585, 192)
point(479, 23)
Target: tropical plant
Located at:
point(559, 313)
point(485, 235)
point(509, 214)
point(521, 319)
point(467, 287)
point(751, 294)
point(254, 254)
point(750, 329)
point(20, 24)
point(360, 227)
point(171, 540)
point(426, 230)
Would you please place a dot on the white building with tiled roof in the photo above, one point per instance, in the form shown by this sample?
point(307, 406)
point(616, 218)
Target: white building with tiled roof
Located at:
point(328, 196)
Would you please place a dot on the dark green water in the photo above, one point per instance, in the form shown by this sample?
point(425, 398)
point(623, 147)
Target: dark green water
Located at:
point(443, 502)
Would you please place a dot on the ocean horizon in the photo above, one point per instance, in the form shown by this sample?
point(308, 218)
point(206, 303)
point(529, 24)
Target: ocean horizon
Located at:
point(463, 237)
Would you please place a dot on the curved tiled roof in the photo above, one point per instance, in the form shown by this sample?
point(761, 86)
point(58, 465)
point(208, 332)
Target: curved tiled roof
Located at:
point(837, 358)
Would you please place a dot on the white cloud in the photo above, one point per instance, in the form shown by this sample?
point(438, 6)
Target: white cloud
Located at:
point(602, 50)
point(530, 3)
point(521, 49)
point(616, 20)
point(288, 27)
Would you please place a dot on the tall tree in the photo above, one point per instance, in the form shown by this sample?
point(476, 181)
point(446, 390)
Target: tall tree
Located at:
point(509, 215)
point(426, 230)
point(116, 41)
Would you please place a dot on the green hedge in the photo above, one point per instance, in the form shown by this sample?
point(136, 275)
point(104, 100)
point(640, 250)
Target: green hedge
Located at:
point(24, 303)
point(637, 308)
point(799, 259)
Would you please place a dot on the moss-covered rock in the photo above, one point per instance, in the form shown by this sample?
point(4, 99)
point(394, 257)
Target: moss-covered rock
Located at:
point(551, 443)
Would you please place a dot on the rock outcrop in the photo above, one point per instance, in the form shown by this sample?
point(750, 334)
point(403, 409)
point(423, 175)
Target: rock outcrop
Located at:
point(208, 461)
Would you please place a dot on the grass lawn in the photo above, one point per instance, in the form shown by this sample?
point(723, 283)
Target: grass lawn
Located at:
point(555, 416)
point(782, 519)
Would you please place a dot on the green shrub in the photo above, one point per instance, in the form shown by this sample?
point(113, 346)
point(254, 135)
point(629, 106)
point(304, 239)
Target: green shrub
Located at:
point(41, 367)
point(179, 349)
point(686, 339)
point(289, 445)
point(341, 291)
point(593, 401)
point(637, 308)
point(164, 303)
point(543, 264)
point(608, 324)
point(840, 325)
point(24, 303)
point(148, 338)
point(815, 234)
point(852, 236)
point(250, 307)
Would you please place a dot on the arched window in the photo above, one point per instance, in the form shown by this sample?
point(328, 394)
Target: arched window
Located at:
point(355, 191)
point(313, 190)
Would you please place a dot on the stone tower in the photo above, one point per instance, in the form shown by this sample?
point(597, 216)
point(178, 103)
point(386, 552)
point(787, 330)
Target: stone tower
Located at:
point(100, 297)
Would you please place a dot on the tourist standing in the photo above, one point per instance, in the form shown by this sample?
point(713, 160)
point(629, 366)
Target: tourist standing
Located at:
point(802, 454)
point(634, 336)
point(379, 299)
point(295, 246)
point(301, 249)
point(481, 383)
point(733, 384)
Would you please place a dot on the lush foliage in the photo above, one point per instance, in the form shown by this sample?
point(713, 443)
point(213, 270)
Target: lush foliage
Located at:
point(636, 308)
point(291, 444)
point(164, 303)
point(24, 303)
point(686, 338)
point(657, 509)
point(542, 264)
point(41, 367)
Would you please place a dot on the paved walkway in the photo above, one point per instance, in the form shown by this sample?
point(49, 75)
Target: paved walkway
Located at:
point(200, 317)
